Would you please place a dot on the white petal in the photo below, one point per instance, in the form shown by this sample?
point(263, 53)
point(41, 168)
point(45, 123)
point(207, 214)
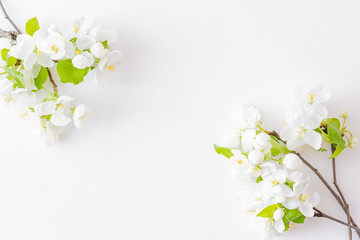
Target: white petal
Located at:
point(315, 199)
point(292, 161)
point(279, 226)
point(45, 108)
point(291, 203)
point(313, 138)
point(60, 119)
point(45, 60)
point(306, 209)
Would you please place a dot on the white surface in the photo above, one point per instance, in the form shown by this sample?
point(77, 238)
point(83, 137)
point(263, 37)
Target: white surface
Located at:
point(145, 167)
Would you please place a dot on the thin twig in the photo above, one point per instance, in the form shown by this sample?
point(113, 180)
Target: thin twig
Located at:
point(8, 18)
point(340, 192)
point(319, 213)
point(52, 80)
point(337, 197)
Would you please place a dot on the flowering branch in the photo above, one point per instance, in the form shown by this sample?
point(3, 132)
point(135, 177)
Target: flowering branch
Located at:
point(270, 163)
point(340, 198)
point(72, 50)
point(340, 192)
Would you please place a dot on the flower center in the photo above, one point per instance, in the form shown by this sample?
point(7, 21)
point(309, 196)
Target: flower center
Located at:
point(274, 182)
point(77, 52)
point(240, 161)
point(24, 115)
point(111, 68)
point(311, 97)
point(76, 28)
point(8, 99)
point(292, 225)
point(302, 197)
point(301, 132)
point(54, 48)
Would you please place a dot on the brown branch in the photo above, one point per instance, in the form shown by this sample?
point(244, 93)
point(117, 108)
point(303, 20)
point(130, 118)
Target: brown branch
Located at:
point(319, 213)
point(8, 18)
point(8, 34)
point(52, 80)
point(323, 180)
point(340, 192)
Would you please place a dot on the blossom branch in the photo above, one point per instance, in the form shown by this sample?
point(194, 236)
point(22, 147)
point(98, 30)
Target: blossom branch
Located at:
point(8, 18)
point(323, 180)
point(52, 80)
point(340, 192)
point(319, 213)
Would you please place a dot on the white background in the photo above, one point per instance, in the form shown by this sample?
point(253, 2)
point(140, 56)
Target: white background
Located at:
point(145, 167)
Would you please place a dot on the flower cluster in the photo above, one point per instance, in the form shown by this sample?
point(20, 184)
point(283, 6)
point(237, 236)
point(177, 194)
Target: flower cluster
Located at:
point(40, 59)
point(276, 193)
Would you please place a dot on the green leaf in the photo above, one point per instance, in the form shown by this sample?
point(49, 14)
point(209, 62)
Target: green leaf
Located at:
point(224, 151)
point(17, 76)
point(337, 151)
point(333, 129)
point(32, 26)
point(259, 179)
point(277, 147)
point(7, 58)
point(41, 78)
point(4, 52)
point(268, 212)
point(292, 215)
point(323, 134)
point(70, 74)
point(105, 44)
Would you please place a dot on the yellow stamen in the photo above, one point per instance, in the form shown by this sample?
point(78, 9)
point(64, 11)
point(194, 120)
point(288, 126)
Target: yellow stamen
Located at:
point(38, 52)
point(256, 169)
point(240, 161)
point(292, 225)
point(53, 48)
point(271, 220)
point(274, 182)
point(76, 28)
point(312, 96)
point(24, 115)
point(257, 199)
point(77, 52)
point(8, 99)
point(111, 68)
point(304, 197)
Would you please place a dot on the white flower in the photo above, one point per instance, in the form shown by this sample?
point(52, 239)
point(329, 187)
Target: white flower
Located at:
point(304, 199)
point(80, 27)
point(247, 139)
point(6, 88)
point(81, 115)
point(278, 222)
point(51, 43)
point(246, 117)
point(300, 129)
point(262, 142)
point(312, 99)
point(46, 132)
point(83, 60)
point(62, 114)
point(45, 108)
point(292, 161)
point(98, 50)
point(107, 66)
point(256, 157)
point(84, 42)
point(23, 48)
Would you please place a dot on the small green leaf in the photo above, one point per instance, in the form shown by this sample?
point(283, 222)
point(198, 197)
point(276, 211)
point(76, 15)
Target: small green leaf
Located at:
point(32, 26)
point(41, 78)
point(224, 151)
point(259, 179)
point(337, 151)
point(7, 58)
point(277, 147)
point(268, 212)
point(105, 44)
point(17, 76)
point(70, 74)
point(323, 134)
point(333, 129)
point(4, 52)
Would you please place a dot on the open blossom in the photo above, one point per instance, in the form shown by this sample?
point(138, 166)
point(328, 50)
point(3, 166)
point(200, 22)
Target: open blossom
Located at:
point(312, 99)
point(82, 114)
point(107, 66)
point(299, 129)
